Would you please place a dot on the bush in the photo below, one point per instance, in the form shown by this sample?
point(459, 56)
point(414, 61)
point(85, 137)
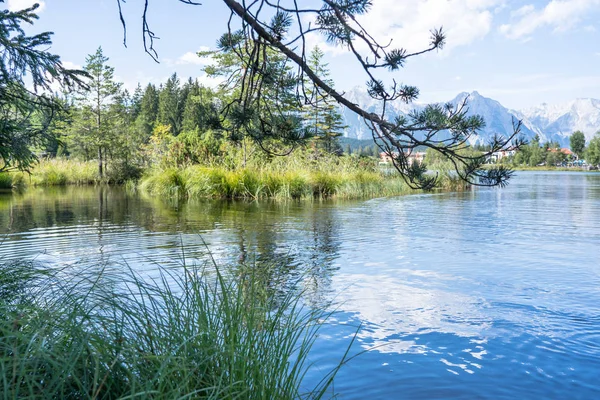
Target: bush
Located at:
point(6, 180)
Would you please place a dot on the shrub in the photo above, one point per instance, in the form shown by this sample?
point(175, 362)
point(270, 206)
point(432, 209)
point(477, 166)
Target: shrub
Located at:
point(6, 180)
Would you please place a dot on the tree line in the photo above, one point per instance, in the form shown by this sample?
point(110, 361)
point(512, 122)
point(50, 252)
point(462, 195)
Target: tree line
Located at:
point(178, 123)
point(536, 153)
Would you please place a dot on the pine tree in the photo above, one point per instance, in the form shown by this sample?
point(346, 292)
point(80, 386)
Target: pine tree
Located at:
point(324, 121)
point(148, 114)
point(267, 30)
point(136, 101)
point(169, 105)
point(577, 142)
point(95, 120)
point(200, 111)
point(271, 114)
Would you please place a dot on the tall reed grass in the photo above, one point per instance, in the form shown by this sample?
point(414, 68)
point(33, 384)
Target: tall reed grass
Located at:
point(61, 172)
point(252, 183)
point(6, 180)
point(182, 333)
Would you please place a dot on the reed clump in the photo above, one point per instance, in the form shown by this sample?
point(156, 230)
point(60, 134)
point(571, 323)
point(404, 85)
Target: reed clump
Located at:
point(274, 180)
point(63, 172)
point(173, 333)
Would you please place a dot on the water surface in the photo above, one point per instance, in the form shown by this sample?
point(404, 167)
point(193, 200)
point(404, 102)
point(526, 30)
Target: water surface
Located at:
point(493, 293)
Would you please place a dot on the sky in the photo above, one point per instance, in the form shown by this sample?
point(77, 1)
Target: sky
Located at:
point(521, 53)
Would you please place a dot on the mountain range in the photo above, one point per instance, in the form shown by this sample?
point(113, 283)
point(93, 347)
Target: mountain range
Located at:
point(551, 122)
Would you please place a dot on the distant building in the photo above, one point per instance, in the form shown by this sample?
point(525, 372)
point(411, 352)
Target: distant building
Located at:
point(499, 155)
point(417, 156)
point(565, 151)
point(385, 158)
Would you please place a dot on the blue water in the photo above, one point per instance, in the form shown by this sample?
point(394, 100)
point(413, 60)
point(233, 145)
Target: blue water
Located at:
point(492, 293)
point(488, 294)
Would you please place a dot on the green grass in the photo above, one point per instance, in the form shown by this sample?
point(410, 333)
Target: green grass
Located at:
point(279, 183)
point(545, 168)
point(58, 172)
point(180, 333)
point(292, 177)
point(6, 180)
point(61, 172)
point(12, 180)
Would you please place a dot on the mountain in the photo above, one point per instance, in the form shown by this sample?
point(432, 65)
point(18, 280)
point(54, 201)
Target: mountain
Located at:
point(498, 119)
point(356, 127)
point(550, 122)
point(564, 119)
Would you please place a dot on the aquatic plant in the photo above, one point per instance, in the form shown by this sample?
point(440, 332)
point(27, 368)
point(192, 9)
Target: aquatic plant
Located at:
point(189, 332)
point(291, 181)
point(6, 181)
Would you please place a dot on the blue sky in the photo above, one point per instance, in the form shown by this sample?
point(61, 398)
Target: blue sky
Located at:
point(521, 53)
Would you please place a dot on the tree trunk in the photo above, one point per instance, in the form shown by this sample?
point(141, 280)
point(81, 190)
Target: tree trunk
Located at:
point(244, 144)
point(100, 167)
point(98, 125)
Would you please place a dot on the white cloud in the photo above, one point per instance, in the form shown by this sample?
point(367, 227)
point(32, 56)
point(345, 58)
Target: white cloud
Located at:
point(523, 11)
point(560, 15)
point(407, 24)
point(589, 28)
point(208, 81)
point(192, 57)
point(71, 65)
point(16, 5)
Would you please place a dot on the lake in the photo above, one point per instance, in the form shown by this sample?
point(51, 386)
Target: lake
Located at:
point(490, 293)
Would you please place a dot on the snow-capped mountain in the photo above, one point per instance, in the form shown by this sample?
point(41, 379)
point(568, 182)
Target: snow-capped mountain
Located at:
point(564, 119)
point(550, 122)
point(356, 127)
point(498, 119)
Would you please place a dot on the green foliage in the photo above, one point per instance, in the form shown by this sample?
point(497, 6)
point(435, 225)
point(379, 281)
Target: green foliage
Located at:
point(6, 180)
point(26, 116)
point(148, 113)
point(169, 109)
point(189, 332)
point(298, 176)
point(321, 114)
point(60, 172)
point(271, 114)
point(441, 168)
point(577, 141)
point(200, 111)
point(531, 154)
point(94, 130)
point(592, 154)
point(555, 157)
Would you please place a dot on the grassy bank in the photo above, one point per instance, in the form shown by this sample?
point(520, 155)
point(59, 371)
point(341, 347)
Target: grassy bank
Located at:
point(102, 334)
point(60, 172)
point(292, 177)
point(571, 169)
point(216, 182)
point(298, 176)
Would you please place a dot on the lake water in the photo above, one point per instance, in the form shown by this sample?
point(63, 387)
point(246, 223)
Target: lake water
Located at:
point(492, 293)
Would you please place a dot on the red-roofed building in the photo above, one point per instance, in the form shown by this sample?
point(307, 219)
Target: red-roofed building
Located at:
point(565, 151)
